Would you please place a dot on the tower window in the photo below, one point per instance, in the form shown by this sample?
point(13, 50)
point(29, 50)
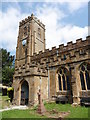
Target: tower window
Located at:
point(25, 30)
point(39, 32)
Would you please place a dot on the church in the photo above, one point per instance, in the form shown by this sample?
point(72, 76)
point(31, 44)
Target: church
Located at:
point(62, 74)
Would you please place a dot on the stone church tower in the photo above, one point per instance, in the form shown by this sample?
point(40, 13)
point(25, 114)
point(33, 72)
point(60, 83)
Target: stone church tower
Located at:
point(61, 73)
point(27, 77)
point(31, 39)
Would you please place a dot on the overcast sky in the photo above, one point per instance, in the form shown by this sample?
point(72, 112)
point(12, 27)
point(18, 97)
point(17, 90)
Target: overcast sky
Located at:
point(64, 21)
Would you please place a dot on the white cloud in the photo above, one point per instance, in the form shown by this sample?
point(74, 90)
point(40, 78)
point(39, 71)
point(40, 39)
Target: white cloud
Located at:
point(71, 33)
point(50, 15)
point(56, 33)
point(76, 5)
point(9, 24)
point(8, 29)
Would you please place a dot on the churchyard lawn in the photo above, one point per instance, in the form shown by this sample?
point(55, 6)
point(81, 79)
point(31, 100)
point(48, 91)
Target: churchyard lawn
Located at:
point(74, 112)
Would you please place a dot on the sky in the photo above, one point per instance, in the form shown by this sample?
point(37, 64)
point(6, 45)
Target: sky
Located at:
point(64, 21)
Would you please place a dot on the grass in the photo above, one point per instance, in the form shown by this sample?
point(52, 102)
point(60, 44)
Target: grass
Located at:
point(20, 114)
point(4, 101)
point(75, 112)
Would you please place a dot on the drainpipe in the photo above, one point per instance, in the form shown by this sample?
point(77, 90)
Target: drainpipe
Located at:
point(48, 82)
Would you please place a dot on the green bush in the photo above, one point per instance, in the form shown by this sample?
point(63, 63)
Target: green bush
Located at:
point(10, 92)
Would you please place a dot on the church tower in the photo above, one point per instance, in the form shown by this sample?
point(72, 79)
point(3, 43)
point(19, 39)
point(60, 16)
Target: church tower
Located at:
point(31, 39)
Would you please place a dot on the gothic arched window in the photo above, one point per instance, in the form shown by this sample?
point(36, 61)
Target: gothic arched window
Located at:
point(84, 77)
point(63, 79)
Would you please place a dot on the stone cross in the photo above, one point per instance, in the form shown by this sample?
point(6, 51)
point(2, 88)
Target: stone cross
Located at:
point(39, 96)
point(41, 109)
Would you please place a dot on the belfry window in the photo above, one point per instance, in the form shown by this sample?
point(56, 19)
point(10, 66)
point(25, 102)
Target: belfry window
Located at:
point(63, 79)
point(39, 32)
point(25, 30)
point(84, 77)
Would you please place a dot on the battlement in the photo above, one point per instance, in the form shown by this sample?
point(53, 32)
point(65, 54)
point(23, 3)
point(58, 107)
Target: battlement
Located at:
point(62, 49)
point(32, 17)
point(25, 21)
point(29, 69)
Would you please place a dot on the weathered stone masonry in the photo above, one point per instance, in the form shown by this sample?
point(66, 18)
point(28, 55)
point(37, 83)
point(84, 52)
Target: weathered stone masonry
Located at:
point(62, 71)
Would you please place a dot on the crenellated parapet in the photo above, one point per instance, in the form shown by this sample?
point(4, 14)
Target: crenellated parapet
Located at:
point(67, 53)
point(25, 21)
point(29, 19)
point(29, 70)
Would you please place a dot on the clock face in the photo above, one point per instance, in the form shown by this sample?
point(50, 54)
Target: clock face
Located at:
point(24, 42)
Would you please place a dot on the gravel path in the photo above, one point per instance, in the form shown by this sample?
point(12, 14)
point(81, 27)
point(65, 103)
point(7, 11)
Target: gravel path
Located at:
point(14, 107)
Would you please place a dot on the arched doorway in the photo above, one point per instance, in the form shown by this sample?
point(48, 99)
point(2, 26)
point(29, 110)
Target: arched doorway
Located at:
point(24, 93)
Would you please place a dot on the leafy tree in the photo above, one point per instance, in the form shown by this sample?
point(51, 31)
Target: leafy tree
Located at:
point(7, 67)
point(7, 59)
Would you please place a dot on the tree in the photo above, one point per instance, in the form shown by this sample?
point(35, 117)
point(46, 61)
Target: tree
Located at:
point(7, 67)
